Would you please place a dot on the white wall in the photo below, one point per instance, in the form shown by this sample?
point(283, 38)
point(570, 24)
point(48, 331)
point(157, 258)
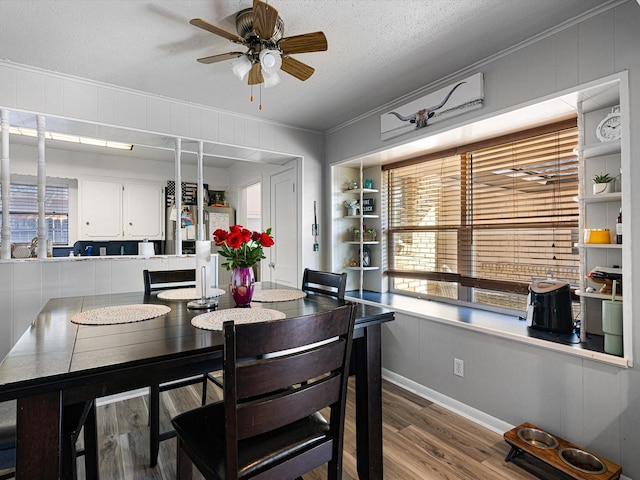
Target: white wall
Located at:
point(589, 403)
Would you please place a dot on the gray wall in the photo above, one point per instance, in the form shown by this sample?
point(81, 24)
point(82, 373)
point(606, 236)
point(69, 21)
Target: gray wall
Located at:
point(592, 404)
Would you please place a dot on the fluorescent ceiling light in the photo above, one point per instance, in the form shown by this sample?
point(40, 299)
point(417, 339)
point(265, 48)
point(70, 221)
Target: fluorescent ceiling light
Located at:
point(64, 137)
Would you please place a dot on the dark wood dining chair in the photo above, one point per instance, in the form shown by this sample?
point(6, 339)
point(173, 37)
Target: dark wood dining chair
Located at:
point(74, 418)
point(325, 283)
point(278, 375)
point(154, 281)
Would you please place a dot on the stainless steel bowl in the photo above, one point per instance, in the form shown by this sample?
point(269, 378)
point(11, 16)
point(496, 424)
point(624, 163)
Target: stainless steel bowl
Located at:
point(537, 438)
point(581, 460)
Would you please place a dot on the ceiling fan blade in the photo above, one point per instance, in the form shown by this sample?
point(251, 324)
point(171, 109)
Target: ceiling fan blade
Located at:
point(255, 74)
point(294, 67)
point(308, 42)
point(264, 19)
point(219, 58)
point(198, 22)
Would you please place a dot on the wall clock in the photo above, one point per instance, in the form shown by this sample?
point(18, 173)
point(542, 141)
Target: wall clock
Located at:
point(609, 128)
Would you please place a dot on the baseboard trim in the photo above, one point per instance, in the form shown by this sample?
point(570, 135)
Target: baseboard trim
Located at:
point(494, 424)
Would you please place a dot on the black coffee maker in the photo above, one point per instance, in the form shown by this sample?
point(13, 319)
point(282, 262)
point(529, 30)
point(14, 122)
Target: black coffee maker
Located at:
point(549, 306)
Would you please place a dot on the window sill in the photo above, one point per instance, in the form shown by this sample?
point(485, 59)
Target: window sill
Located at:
point(490, 323)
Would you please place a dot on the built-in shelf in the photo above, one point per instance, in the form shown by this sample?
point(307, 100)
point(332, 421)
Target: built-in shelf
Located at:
point(362, 216)
point(362, 268)
point(602, 148)
point(603, 197)
point(357, 242)
point(601, 296)
point(362, 190)
point(600, 245)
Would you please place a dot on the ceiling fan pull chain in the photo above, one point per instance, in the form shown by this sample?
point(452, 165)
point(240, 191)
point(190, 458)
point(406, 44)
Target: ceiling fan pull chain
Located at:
point(251, 98)
point(260, 107)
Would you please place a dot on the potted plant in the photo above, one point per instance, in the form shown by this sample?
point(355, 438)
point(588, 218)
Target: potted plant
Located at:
point(602, 183)
point(352, 207)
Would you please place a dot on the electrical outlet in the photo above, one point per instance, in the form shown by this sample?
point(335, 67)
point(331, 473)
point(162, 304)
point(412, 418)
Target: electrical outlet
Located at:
point(458, 367)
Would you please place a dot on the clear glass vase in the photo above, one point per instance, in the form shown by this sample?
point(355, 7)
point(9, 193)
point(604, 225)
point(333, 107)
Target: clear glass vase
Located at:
point(241, 286)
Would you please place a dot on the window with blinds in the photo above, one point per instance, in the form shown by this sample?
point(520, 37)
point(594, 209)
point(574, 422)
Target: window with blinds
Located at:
point(23, 213)
point(480, 222)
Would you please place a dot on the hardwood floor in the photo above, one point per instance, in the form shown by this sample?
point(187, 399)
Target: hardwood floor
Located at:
point(421, 441)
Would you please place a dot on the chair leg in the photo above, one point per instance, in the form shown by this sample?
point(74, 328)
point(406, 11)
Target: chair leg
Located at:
point(69, 457)
point(205, 381)
point(91, 444)
point(154, 424)
point(184, 467)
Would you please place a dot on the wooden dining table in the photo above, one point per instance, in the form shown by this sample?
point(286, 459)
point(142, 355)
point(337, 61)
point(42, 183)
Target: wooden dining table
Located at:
point(57, 363)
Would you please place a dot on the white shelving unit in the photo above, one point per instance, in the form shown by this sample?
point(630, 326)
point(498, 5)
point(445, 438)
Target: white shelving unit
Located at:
point(349, 250)
point(597, 212)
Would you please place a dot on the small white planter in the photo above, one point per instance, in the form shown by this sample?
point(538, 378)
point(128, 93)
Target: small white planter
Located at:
point(599, 188)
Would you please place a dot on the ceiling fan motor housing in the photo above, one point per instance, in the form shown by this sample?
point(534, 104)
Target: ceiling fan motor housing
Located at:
point(244, 27)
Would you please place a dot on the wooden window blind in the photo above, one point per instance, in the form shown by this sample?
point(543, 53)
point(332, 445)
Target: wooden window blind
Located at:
point(491, 216)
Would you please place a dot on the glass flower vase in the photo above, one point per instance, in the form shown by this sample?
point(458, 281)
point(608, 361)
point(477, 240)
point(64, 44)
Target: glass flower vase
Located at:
point(241, 286)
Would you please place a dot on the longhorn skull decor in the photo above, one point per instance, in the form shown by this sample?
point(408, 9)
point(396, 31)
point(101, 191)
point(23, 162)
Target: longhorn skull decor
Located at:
point(459, 98)
point(422, 116)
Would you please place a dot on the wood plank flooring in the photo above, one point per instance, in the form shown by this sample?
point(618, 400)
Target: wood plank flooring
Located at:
point(421, 441)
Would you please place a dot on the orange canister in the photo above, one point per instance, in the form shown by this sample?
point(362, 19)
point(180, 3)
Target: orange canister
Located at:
point(597, 235)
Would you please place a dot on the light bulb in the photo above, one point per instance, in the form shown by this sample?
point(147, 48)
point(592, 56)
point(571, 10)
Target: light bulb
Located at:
point(270, 60)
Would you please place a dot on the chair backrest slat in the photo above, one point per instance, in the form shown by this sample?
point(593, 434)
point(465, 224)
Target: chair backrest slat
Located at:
point(325, 283)
point(274, 336)
point(261, 416)
point(167, 279)
point(259, 378)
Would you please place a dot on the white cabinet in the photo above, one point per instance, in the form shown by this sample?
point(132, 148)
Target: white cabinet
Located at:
point(101, 211)
point(143, 212)
point(121, 211)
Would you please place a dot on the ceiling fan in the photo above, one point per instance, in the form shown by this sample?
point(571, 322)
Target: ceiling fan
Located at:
point(261, 30)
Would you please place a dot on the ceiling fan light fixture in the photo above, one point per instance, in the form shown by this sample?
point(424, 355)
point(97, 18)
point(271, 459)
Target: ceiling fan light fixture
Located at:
point(241, 66)
point(270, 79)
point(270, 60)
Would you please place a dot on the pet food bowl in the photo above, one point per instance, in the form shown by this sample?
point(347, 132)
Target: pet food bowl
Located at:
point(581, 460)
point(537, 438)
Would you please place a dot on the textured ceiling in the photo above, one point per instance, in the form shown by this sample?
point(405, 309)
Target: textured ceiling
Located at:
point(379, 50)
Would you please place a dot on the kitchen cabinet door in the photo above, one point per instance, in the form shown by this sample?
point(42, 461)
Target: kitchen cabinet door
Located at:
point(143, 211)
point(101, 210)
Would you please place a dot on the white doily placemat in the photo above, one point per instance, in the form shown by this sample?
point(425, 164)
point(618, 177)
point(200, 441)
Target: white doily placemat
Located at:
point(120, 314)
point(214, 320)
point(277, 295)
point(187, 293)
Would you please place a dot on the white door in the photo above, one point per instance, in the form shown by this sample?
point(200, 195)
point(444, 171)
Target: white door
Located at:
point(284, 223)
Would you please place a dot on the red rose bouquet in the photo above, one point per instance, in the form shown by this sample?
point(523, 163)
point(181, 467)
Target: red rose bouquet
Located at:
point(241, 247)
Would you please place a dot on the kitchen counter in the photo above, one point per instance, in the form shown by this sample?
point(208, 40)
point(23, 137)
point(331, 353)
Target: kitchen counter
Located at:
point(92, 257)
